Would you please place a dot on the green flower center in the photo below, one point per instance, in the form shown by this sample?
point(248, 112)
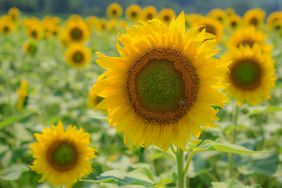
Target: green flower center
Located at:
point(62, 156)
point(77, 57)
point(76, 33)
point(162, 85)
point(246, 74)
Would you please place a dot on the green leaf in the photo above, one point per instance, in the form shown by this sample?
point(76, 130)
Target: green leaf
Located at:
point(14, 172)
point(15, 118)
point(232, 184)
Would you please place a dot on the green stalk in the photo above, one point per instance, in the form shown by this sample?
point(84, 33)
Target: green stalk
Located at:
point(180, 168)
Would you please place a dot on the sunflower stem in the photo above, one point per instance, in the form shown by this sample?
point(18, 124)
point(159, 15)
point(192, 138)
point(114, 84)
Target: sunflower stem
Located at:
point(180, 168)
point(234, 137)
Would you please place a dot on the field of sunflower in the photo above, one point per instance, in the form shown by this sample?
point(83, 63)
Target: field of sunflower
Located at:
point(141, 98)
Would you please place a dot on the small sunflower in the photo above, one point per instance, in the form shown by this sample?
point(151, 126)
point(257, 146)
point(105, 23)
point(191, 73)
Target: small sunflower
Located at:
point(166, 15)
point(62, 156)
point(93, 98)
point(248, 36)
point(133, 12)
point(254, 17)
point(251, 76)
point(218, 14)
point(114, 10)
point(101, 25)
point(22, 94)
point(76, 30)
point(78, 55)
point(30, 47)
point(6, 26)
point(162, 87)
point(35, 32)
point(149, 13)
point(273, 18)
point(234, 21)
point(14, 13)
point(230, 12)
point(211, 26)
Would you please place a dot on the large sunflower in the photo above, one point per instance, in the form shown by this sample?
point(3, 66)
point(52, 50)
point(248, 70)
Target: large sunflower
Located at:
point(114, 10)
point(78, 55)
point(162, 87)
point(133, 12)
point(149, 13)
point(76, 30)
point(254, 17)
point(166, 15)
point(251, 76)
point(62, 156)
point(211, 26)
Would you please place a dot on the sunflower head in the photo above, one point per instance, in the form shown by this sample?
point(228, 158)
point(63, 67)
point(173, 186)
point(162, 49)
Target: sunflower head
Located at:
point(6, 25)
point(218, 14)
point(211, 26)
point(133, 12)
point(158, 85)
point(149, 13)
point(78, 55)
point(251, 74)
point(234, 21)
point(167, 15)
point(76, 30)
point(102, 25)
point(14, 13)
point(254, 17)
point(114, 10)
point(30, 47)
point(273, 18)
point(61, 155)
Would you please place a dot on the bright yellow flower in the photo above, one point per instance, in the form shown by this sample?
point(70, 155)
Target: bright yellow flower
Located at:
point(254, 17)
point(14, 13)
point(234, 21)
point(62, 156)
point(6, 25)
point(149, 13)
point(166, 15)
point(133, 12)
point(251, 76)
point(114, 10)
point(76, 30)
point(78, 55)
point(162, 87)
point(218, 14)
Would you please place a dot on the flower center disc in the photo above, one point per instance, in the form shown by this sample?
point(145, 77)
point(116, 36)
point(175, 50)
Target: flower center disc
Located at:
point(149, 16)
point(6, 29)
point(162, 85)
point(254, 21)
point(77, 57)
point(133, 14)
point(34, 34)
point(246, 74)
point(62, 156)
point(246, 42)
point(76, 33)
point(167, 18)
point(114, 12)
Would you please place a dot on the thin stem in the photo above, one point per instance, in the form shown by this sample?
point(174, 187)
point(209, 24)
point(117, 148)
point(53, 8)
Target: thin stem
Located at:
point(193, 152)
point(234, 137)
point(180, 168)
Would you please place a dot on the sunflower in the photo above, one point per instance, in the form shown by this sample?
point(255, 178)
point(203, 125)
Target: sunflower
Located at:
point(93, 98)
point(78, 55)
point(76, 30)
point(30, 47)
point(133, 12)
point(22, 94)
point(234, 21)
point(273, 18)
point(251, 76)
point(14, 13)
point(254, 17)
point(35, 31)
point(149, 13)
point(230, 12)
point(62, 156)
point(102, 25)
point(218, 14)
point(211, 26)
point(114, 10)
point(6, 25)
point(248, 37)
point(162, 87)
point(166, 15)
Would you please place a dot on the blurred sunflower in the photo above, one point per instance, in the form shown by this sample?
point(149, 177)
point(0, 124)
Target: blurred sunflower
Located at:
point(218, 14)
point(133, 12)
point(166, 15)
point(254, 17)
point(234, 21)
point(35, 31)
point(163, 85)
point(273, 18)
point(249, 37)
point(102, 25)
point(14, 13)
point(6, 25)
point(78, 55)
point(30, 47)
point(149, 13)
point(251, 76)
point(62, 156)
point(230, 12)
point(93, 98)
point(22, 94)
point(211, 26)
point(114, 10)
point(76, 30)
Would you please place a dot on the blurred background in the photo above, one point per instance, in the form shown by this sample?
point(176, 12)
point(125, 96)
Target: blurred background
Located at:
point(97, 7)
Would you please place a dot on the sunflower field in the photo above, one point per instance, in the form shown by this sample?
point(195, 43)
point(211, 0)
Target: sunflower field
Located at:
point(143, 97)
